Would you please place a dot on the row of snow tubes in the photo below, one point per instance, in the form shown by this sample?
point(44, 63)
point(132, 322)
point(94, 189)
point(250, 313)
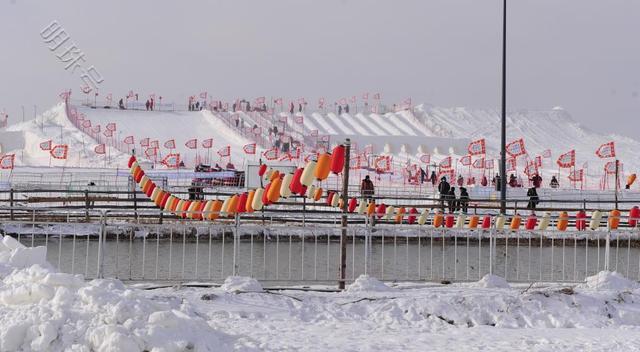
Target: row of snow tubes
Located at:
point(279, 186)
point(300, 182)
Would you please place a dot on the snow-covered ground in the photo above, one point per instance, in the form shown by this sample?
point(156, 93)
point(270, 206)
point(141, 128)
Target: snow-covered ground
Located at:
point(41, 310)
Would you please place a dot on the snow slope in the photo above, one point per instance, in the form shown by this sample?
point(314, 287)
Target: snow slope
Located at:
point(53, 125)
point(541, 129)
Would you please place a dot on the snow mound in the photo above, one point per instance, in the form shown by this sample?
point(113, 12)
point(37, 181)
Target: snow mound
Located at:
point(14, 255)
point(43, 310)
point(241, 284)
point(607, 280)
point(492, 281)
point(366, 283)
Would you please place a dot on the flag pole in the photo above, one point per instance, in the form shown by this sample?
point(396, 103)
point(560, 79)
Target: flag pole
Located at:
point(503, 134)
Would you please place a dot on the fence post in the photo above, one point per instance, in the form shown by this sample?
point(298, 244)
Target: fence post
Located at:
point(11, 204)
point(343, 223)
point(101, 244)
point(86, 205)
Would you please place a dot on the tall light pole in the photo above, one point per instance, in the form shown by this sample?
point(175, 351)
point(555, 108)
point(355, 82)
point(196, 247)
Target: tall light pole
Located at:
point(503, 137)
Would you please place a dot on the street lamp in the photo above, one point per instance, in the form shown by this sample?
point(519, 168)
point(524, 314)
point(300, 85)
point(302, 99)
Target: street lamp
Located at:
point(503, 137)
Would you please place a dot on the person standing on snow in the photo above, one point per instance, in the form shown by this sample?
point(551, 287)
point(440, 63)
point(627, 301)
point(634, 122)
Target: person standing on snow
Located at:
point(451, 200)
point(463, 203)
point(366, 188)
point(443, 189)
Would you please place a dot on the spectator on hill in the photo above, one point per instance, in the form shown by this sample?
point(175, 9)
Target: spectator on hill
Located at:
point(433, 178)
point(366, 188)
point(423, 175)
point(513, 181)
point(121, 104)
point(147, 105)
point(554, 182)
point(152, 103)
point(537, 180)
point(339, 109)
point(346, 109)
point(292, 107)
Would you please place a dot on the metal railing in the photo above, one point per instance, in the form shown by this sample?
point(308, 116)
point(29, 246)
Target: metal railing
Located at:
point(273, 249)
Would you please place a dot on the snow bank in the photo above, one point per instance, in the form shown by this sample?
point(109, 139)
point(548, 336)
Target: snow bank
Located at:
point(42, 310)
point(366, 283)
point(607, 280)
point(241, 284)
point(492, 281)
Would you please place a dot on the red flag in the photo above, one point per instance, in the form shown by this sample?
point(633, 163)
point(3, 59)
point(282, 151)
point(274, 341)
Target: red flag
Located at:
point(129, 140)
point(478, 163)
point(577, 175)
point(271, 154)
point(607, 150)
point(538, 161)
point(155, 144)
point(192, 143)
point(170, 144)
point(610, 167)
point(567, 159)
point(150, 152)
point(488, 164)
point(516, 148)
point(7, 161)
point(45, 145)
point(86, 124)
point(382, 164)
point(100, 149)
point(96, 129)
point(108, 133)
point(225, 151)
point(207, 143)
point(249, 148)
point(171, 160)
point(144, 142)
point(59, 151)
point(477, 147)
point(111, 126)
point(425, 158)
point(546, 153)
point(466, 160)
point(511, 164)
point(299, 119)
point(531, 169)
point(445, 163)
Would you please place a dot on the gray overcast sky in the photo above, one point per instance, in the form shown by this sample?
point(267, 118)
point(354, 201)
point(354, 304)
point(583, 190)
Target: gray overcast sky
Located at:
point(579, 54)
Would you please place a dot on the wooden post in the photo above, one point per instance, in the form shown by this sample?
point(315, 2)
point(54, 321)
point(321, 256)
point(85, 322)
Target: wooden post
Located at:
point(343, 223)
point(11, 204)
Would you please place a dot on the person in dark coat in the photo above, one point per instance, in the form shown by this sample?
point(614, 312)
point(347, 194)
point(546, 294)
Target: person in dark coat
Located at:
point(339, 109)
point(147, 105)
point(443, 189)
point(433, 178)
point(533, 198)
point(513, 181)
point(537, 180)
point(366, 188)
point(423, 175)
point(463, 203)
point(121, 104)
point(554, 182)
point(497, 182)
point(452, 202)
point(346, 109)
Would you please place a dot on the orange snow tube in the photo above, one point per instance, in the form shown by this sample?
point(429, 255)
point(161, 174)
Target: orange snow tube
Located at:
point(563, 221)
